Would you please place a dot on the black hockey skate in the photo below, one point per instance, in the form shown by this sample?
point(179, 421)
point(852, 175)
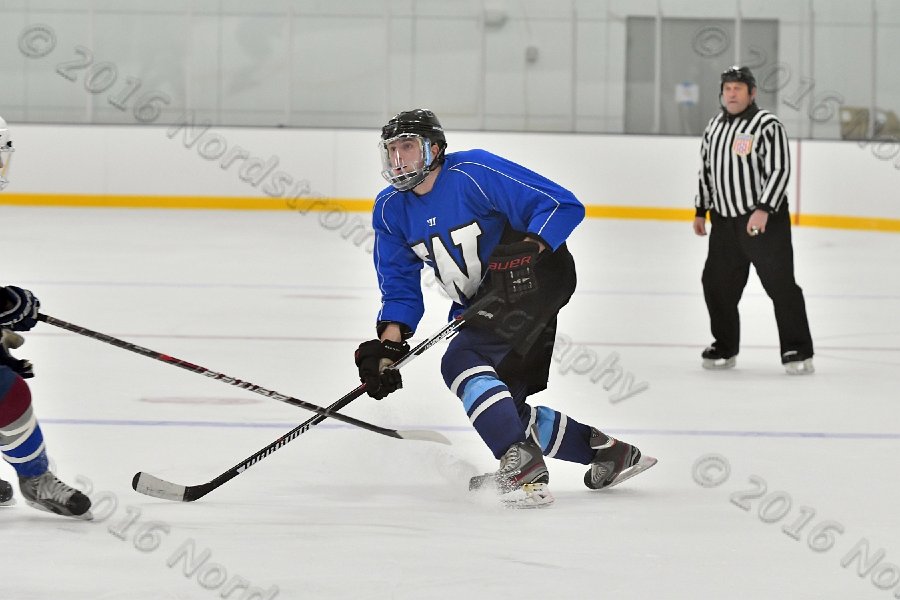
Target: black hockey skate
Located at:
point(715, 359)
point(797, 363)
point(6, 494)
point(522, 478)
point(47, 492)
point(614, 462)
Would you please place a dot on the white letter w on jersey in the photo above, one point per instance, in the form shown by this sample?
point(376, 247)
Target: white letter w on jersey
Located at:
point(460, 282)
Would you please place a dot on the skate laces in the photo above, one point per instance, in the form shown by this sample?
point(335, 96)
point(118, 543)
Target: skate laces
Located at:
point(510, 461)
point(49, 487)
point(506, 477)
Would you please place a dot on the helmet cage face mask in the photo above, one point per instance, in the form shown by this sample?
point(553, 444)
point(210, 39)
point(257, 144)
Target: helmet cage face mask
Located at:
point(406, 160)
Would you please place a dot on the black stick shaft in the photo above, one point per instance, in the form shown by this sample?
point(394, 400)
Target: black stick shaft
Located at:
point(198, 491)
point(246, 385)
point(194, 492)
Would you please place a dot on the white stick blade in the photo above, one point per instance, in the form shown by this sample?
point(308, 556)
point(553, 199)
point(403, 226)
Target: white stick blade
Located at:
point(147, 484)
point(424, 435)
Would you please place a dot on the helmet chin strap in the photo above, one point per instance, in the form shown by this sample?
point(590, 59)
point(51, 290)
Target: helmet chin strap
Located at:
point(437, 160)
point(435, 163)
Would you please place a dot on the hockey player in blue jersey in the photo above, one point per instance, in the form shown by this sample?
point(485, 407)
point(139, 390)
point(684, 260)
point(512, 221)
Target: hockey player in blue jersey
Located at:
point(21, 440)
point(495, 233)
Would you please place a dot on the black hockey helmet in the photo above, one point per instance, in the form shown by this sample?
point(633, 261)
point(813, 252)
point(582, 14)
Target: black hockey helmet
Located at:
point(419, 126)
point(737, 73)
point(419, 121)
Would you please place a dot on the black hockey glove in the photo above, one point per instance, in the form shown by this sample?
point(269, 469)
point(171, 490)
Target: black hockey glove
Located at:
point(18, 308)
point(10, 339)
point(511, 268)
point(372, 358)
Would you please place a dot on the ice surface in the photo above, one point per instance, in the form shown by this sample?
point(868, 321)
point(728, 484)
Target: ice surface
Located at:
point(282, 299)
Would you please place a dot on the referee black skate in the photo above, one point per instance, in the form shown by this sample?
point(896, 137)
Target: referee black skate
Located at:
point(743, 186)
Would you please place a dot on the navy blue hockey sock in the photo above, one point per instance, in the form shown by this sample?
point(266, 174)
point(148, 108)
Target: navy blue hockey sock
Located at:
point(562, 437)
point(493, 413)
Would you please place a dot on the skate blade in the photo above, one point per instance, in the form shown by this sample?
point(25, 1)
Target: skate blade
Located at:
point(642, 465)
point(85, 516)
point(10, 502)
point(481, 481)
point(800, 367)
point(719, 364)
point(530, 495)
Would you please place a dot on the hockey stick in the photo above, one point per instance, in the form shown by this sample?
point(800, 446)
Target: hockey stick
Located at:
point(151, 485)
point(423, 435)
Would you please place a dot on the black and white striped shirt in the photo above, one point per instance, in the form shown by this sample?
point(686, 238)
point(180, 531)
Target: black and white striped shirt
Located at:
point(746, 164)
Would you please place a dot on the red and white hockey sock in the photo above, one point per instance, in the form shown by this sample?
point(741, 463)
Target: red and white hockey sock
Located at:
point(21, 440)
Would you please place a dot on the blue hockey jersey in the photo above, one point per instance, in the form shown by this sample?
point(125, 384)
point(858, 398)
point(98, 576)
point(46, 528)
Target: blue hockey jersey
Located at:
point(455, 227)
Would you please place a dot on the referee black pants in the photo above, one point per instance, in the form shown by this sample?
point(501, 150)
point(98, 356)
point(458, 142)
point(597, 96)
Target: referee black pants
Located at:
point(731, 252)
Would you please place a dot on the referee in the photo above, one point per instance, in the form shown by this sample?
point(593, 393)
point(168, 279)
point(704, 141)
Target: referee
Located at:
point(743, 182)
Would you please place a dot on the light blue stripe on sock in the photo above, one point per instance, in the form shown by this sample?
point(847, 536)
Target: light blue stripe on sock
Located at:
point(546, 418)
point(476, 387)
